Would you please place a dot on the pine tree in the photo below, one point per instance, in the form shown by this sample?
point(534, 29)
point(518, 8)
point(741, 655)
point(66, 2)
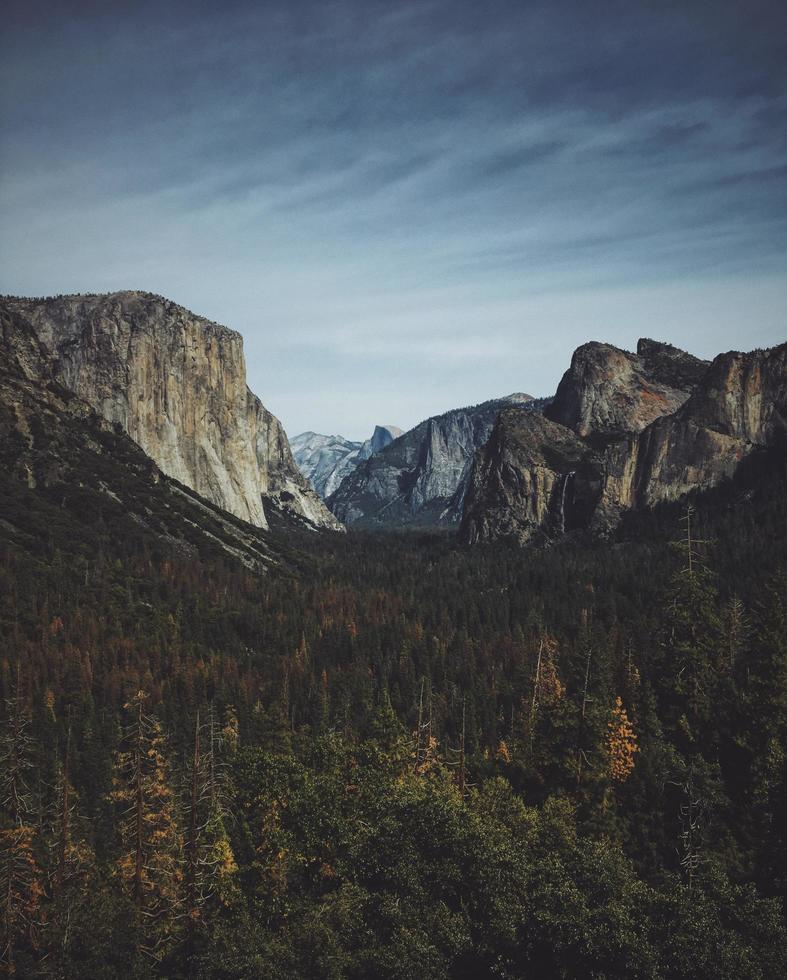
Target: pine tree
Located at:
point(209, 861)
point(21, 877)
point(693, 636)
point(621, 744)
point(72, 870)
point(149, 864)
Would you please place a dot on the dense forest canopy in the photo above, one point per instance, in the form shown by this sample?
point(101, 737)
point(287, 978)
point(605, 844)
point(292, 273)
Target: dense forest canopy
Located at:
point(391, 756)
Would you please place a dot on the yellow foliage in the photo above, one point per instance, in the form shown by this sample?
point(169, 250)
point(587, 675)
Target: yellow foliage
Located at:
point(231, 731)
point(550, 688)
point(621, 743)
point(427, 757)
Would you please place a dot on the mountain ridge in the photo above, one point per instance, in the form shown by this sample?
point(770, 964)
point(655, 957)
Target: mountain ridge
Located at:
point(623, 450)
point(418, 479)
point(176, 382)
point(325, 460)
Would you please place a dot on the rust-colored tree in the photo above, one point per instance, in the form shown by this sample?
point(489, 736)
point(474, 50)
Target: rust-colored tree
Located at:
point(621, 743)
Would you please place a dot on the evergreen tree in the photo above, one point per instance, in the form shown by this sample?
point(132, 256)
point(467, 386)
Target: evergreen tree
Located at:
point(150, 860)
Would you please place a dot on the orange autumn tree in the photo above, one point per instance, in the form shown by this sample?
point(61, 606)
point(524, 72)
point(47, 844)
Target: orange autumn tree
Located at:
point(621, 743)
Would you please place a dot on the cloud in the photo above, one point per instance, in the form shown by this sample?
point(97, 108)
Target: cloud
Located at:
point(403, 198)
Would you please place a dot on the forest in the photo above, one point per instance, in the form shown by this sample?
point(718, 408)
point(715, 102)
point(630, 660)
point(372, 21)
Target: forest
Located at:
point(390, 756)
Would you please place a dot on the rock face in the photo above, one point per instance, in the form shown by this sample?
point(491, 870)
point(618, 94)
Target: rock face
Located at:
point(740, 404)
point(326, 460)
point(610, 392)
point(176, 383)
point(523, 483)
point(420, 478)
point(58, 454)
point(539, 478)
point(382, 436)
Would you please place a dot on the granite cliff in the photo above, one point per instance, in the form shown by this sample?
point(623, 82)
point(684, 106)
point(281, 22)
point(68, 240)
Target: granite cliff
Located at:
point(608, 392)
point(326, 460)
point(625, 431)
point(419, 479)
point(176, 384)
point(64, 466)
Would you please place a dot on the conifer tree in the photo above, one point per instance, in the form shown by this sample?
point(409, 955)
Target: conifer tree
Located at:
point(693, 637)
point(71, 866)
point(209, 861)
point(149, 863)
point(21, 877)
point(621, 744)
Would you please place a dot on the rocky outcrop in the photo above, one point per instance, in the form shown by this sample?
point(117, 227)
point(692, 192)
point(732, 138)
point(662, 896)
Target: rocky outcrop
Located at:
point(420, 478)
point(608, 392)
point(534, 479)
point(740, 405)
point(539, 478)
point(59, 457)
point(326, 460)
point(176, 383)
point(382, 436)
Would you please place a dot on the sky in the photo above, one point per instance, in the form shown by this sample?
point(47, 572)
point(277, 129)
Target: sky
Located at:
point(409, 206)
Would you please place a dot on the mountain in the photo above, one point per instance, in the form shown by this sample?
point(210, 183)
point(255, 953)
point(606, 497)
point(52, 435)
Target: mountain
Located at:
point(67, 473)
point(624, 432)
point(307, 739)
point(176, 383)
point(419, 478)
point(326, 460)
point(740, 405)
point(382, 436)
point(609, 392)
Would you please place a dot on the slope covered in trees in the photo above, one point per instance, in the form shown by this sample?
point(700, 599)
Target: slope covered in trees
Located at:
point(395, 758)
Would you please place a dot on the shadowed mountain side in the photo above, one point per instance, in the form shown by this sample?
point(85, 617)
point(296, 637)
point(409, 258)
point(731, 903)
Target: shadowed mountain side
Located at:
point(326, 460)
point(63, 466)
point(419, 479)
point(537, 479)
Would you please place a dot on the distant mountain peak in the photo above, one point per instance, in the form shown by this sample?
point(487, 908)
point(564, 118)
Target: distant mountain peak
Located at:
point(419, 478)
point(326, 460)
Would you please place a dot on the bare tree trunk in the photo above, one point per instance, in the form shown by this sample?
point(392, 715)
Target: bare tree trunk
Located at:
point(191, 873)
point(534, 703)
point(580, 737)
point(139, 804)
point(418, 728)
point(462, 755)
point(64, 819)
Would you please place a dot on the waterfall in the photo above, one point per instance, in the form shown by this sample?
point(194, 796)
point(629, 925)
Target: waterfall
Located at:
point(566, 478)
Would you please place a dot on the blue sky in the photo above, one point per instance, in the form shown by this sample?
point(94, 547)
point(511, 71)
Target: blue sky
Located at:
point(405, 207)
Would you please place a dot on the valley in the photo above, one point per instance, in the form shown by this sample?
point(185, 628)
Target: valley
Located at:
point(537, 681)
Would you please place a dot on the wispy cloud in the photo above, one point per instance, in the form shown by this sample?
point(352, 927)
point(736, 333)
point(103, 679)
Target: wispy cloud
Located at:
point(404, 198)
